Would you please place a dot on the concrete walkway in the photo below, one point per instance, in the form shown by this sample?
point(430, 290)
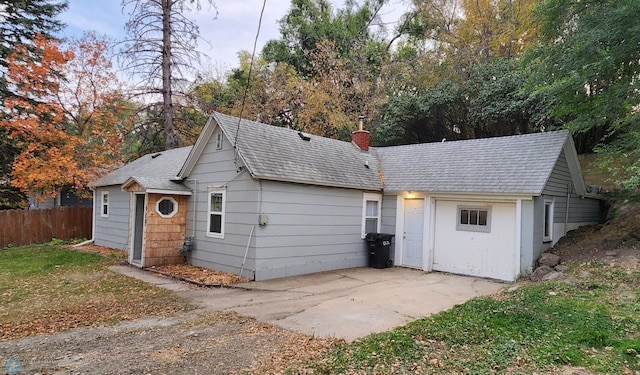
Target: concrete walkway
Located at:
point(347, 304)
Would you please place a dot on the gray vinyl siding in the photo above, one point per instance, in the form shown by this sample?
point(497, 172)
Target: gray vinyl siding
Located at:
point(560, 180)
point(310, 229)
point(388, 225)
point(529, 249)
point(112, 231)
point(559, 189)
point(584, 210)
point(216, 168)
point(581, 210)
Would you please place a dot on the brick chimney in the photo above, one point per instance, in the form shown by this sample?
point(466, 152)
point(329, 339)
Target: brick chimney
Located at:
point(361, 137)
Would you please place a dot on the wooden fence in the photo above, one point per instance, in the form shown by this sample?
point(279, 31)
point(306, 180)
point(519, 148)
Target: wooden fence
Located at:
point(22, 227)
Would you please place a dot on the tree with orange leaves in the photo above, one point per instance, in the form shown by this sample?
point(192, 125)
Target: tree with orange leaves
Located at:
point(65, 117)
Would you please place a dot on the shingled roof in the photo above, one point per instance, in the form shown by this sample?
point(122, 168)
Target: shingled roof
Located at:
point(152, 171)
point(281, 154)
point(519, 164)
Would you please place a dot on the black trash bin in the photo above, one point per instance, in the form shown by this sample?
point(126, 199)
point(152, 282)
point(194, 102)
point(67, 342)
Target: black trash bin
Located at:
point(378, 246)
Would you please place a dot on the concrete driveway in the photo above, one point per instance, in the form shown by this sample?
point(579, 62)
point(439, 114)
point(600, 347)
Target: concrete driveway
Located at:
point(347, 304)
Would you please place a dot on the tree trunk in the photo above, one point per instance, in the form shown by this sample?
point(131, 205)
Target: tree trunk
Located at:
point(167, 105)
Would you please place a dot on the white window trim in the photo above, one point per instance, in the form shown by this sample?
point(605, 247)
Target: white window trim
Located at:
point(102, 204)
point(474, 227)
point(370, 197)
point(212, 191)
point(548, 224)
point(172, 213)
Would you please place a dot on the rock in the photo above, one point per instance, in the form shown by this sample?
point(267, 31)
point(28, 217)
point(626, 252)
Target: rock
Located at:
point(540, 272)
point(561, 268)
point(552, 275)
point(611, 253)
point(548, 259)
point(611, 243)
point(585, 274)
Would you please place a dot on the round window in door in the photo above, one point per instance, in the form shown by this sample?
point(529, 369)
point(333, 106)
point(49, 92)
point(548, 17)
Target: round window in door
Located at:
point(167, 207)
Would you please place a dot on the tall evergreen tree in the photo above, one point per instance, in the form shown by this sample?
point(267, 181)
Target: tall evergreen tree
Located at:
point(20, 22)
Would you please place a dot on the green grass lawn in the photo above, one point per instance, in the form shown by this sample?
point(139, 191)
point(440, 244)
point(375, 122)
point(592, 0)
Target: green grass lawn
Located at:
point(582, 322)
point(48, 288)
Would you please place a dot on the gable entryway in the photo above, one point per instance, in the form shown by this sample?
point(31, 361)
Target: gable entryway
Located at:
point(412, 238)
point(158, 225)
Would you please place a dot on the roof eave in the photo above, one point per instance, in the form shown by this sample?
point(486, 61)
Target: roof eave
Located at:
point(459, 194)
point(317, 183)
point(197, 149)
point(574, 166)
point(168, 192)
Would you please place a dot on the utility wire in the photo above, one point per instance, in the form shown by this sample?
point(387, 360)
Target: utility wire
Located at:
point(246, 89)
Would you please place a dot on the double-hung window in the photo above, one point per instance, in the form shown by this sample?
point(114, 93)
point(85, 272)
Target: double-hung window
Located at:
point(104, 202)
point(371, 212)
point(215, 218)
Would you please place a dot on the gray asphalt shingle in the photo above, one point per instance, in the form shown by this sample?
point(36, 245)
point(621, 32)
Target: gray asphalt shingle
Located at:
point(278, 153)
point(156, 169)
point(519, 164)
point(513, 164)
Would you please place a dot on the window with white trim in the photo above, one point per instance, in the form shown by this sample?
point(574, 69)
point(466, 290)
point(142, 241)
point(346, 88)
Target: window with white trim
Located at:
point(104, 210)
point(547, 234)
point(474, 218)
point(371, 213)
point(215, 217)
point(166, 207)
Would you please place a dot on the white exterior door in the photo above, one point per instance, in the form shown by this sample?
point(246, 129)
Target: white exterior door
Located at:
point(412, 246)
point(485, 250)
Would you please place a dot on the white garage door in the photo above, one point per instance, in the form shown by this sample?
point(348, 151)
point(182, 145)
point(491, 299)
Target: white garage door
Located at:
point(475, 239)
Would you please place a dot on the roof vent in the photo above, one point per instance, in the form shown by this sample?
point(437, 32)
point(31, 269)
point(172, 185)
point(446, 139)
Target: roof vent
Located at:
point(304, 137)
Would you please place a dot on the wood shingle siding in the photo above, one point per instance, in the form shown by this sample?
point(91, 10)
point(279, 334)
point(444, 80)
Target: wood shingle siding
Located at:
point(163, 237)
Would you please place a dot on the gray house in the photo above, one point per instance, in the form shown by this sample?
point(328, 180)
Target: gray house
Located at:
point(274, 202)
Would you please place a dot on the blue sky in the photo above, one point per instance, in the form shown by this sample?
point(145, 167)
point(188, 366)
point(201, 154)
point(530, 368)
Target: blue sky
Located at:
point(233, 30)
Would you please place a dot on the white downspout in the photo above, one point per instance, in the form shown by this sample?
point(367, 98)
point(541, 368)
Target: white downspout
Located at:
point(93, 223)
point(566, 213)
point(517, 260)
point(195, 201)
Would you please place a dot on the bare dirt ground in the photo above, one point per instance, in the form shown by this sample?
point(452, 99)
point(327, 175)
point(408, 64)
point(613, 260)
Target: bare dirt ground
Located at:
point(617, 242)
point(205, 342)
point(197, 342)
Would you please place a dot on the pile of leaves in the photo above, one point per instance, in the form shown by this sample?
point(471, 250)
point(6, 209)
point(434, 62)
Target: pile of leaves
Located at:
point(199, 275)
point(101, 250)
point(186, 272)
